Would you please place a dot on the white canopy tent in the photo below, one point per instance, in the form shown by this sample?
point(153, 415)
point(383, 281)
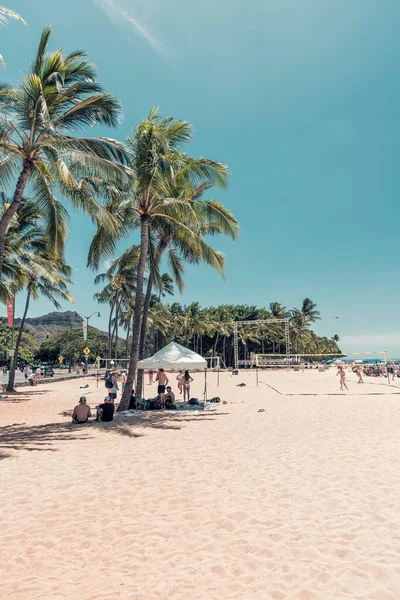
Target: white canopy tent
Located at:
point(174, 356)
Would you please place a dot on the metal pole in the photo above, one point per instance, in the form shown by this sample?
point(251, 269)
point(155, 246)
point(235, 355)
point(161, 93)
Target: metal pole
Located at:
point(235, 346)
point(257, 372)
point(218, 376)
point(387, 367)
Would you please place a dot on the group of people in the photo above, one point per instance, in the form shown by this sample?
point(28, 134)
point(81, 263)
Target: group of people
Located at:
point(82, 411)
point(105, 411)
point(368, 370)
point(184, 379)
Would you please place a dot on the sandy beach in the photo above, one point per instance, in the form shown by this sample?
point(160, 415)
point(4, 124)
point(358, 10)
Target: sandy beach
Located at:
point(299, 502)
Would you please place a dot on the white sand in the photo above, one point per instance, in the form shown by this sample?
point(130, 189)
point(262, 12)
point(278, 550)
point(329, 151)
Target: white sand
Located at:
point(300, 502)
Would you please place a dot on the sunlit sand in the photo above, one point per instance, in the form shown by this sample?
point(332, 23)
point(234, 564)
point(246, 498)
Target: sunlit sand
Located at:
point(299, 502)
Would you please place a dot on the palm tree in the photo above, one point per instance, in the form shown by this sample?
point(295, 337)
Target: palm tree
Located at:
point(38, 119)
point(155, 145)
point(45, 277)
point(120, 280)
point(5, 15)
point(307, 313)
point(27, 257)
point(336, 338)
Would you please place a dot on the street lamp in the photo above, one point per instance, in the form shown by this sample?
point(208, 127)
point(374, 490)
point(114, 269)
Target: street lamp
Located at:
point(87, 329)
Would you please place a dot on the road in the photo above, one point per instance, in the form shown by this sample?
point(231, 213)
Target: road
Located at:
point(20, 376)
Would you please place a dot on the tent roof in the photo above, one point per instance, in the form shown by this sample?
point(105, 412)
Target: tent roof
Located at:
point(173, 356)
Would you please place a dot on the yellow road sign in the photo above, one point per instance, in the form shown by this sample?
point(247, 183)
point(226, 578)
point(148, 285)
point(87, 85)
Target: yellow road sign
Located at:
point(60, 359)
point(86, 351)
point(98, 359)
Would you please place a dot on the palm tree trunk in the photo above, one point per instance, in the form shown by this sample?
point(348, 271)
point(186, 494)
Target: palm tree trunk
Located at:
point(14, 206)
point(116, 332)
point(215, 345)
point(162, 244)
point(127, 337)
point(11, 378)
point(143, 331)
point(133, 359)
point(110, 330)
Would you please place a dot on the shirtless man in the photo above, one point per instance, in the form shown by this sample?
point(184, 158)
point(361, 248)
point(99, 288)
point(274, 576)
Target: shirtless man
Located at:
point(162, 382)
point(342, 378)
point(81, 411)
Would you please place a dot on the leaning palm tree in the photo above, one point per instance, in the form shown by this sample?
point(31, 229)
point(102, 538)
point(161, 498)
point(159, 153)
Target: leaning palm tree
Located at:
point(156, 153)
point(58, 97)
point(5, 15)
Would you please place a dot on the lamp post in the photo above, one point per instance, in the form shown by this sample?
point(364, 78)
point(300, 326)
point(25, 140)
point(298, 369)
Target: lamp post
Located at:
point(96, 312)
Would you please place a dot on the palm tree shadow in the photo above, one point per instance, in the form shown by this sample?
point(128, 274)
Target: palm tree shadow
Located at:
point(44, 438)
point(18, 397)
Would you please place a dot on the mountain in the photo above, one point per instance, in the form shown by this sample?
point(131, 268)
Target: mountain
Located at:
point(51, 323)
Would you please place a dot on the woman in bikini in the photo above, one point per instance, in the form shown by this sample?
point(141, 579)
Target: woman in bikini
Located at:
point(179, 379)
point(186, 386)
point(342, 378)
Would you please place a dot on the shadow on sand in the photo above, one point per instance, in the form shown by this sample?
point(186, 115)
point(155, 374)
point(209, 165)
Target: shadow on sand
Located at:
point(18, 397)
point(41, 438)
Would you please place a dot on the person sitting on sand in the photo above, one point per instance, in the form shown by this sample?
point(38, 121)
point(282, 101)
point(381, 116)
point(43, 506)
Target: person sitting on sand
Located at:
point(342, 378)
point(81, 412)
point(32, 379)
point(169, 396)
point(105, 411)
point(162, 382)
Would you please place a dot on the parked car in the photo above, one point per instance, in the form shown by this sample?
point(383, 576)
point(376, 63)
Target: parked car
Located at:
point(47, 371)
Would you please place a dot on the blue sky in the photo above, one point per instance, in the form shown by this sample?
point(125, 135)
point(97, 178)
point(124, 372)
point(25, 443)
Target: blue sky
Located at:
point(300, 98)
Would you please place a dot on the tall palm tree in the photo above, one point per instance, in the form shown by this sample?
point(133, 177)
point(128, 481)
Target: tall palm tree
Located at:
point(120, 280)
point(155, 145)
point(307, 313)
point(186, 243)
point(38, 120)
point(5, 15)
point(28, 265)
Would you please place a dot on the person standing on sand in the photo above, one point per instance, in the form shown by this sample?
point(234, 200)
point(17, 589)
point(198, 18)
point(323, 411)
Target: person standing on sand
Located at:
point(342, 378)
point(114, 390)
point(123, 379)
point(162, 382)
point(359, 374)
point(179, 378)
point(186, 386)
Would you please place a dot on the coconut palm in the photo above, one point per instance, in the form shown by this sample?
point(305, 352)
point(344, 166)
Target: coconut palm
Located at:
point(5, 15)
point(307, 313)
point(38, 120)
point(120, 280)
point(28, 266)
point(44, 277)
point(156, 152)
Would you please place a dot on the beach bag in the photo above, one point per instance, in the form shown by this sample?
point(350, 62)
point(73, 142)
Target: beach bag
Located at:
point(108, 383)
point(216, 399)
point(193, 401)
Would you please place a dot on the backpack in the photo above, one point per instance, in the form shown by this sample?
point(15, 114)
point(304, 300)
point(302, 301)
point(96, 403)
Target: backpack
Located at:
point(109, 383)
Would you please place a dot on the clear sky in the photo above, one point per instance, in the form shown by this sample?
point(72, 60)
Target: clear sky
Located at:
point(301, 99)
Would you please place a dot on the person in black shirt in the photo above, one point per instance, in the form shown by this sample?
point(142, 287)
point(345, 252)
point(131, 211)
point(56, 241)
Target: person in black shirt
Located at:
point(105, 411)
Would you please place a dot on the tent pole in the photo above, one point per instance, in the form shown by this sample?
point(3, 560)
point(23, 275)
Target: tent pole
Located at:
point(257, 373)
point(218, 376)
point(205, 385)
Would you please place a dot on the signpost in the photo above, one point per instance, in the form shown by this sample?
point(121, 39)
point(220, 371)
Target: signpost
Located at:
point(86, 352)
point(98, 367)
